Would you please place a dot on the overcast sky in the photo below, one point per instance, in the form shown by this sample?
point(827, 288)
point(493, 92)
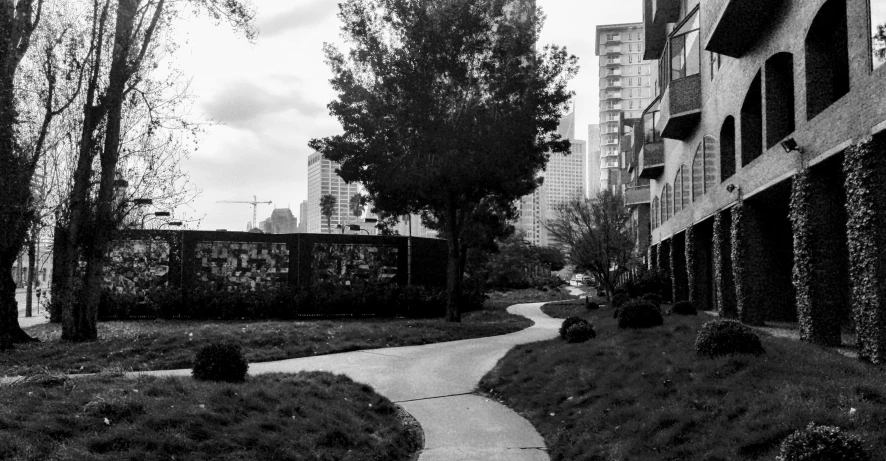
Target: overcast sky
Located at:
point(269, 98)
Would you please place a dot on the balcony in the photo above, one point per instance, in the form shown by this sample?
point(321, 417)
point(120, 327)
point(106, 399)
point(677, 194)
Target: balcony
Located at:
point(613, 97)
point(613, 108)
point(681, 108)
point(741, 24)
point(613, 52)
point(613, 84)
point(651, 161)
point(615, 63)
point(665, 11)
point(637, 195)
point(616, 40)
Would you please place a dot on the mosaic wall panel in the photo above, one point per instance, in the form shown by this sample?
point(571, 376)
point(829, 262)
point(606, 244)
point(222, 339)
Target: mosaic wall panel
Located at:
point(350, 263)
point(134, 266)
point(242, 264)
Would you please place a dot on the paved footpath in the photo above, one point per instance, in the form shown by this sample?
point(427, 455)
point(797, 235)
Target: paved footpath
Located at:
point(434, 383)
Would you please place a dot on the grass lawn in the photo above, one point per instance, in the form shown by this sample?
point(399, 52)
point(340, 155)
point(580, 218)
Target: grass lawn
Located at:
point(304, 416)
point(171, 344)
point(500, 300)
point(644, 395)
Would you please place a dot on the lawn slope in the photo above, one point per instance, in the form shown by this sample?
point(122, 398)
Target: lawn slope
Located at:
point(644, 395)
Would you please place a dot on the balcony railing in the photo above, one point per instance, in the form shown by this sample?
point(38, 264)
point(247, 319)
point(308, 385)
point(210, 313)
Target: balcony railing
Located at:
point(616, 107)
point(613, 84)
point(613, 51)
point(681, 107)
point(651, 161)
point(613, 97)
point(612, 41)
point(637, 195)
point(740, 24)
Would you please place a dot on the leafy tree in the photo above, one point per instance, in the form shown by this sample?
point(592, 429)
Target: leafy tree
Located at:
point(124, 38)
point(597, 236)
point(327, 208)
point(552, 257)
point(445, 104)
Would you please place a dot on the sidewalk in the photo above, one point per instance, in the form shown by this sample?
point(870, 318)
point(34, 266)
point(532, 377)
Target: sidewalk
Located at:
point(37, 311)
point(435, 384)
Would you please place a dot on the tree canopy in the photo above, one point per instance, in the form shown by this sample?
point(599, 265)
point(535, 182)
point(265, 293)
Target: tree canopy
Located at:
point(445, 104)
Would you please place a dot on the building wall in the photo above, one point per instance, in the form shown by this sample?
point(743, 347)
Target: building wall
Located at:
point(593, 159)
point(625, 82)
point(323, 180)
point(847, 121)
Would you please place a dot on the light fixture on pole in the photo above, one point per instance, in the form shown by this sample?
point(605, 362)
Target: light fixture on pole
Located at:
point(170, 223)
point(155, 214)
point(789, 145)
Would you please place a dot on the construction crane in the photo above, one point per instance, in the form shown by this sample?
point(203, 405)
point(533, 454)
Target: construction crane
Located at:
point(254, 202)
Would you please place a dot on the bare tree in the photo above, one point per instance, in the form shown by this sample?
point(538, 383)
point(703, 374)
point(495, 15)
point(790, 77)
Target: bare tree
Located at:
point(596, 235)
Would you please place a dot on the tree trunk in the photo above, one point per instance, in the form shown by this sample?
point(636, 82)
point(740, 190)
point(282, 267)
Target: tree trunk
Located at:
point(32, 272)
point(453, 276)
point(10, 331)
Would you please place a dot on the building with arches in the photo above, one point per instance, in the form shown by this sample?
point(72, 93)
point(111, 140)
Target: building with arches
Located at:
point(765, 151)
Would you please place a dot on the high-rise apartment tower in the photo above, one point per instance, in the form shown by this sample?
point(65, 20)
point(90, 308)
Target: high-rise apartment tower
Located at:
point(323, 180)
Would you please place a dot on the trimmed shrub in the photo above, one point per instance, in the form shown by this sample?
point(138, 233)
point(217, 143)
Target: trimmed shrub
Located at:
point(220, 362)
point(580, 332)
point(684, 308)
point(601, 293)
point(639, 314)
point(620, 299)
point(590, 305)
point(822, 443)
point(725, 337)
point(654, 298)
point(568, 323)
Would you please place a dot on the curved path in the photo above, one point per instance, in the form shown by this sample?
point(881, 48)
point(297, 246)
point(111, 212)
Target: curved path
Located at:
point(434, 383)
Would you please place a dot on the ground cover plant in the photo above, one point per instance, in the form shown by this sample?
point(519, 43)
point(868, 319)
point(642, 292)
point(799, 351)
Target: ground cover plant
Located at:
point(500, 300)
point(646, 394)
point(171, 344)
point(304, 416)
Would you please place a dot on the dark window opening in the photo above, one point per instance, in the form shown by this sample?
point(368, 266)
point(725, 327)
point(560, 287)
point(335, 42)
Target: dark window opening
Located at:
point(827, 58)
point(779, 98)
point(752, 123)
point(727, 149)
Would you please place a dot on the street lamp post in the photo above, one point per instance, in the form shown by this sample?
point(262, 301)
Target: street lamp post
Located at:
point(155, 214)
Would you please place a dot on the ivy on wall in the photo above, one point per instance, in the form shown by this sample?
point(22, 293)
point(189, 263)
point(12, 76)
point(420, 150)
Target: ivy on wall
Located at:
point(690, 255)
point(678, 269)
point(818, 318)
point(653, 257)
point(664, 263)
point(724, 286)
point(745, 299)
point(865, 168)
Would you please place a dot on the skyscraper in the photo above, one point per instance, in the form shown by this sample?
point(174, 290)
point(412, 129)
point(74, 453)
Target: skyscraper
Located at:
point(323, 180)
point(303, 217)
point(625, 86)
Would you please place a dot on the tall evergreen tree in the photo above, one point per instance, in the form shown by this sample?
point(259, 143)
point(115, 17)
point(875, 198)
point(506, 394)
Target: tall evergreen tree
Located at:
point(445, 104)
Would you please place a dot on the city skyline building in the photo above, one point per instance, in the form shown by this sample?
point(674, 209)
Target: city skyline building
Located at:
point(323, 180)
point(303, 217)
point(593, 159)
point(625, 85)
point(281, 221)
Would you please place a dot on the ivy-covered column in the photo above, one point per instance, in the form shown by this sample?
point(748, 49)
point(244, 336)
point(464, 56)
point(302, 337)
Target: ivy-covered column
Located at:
point(724, 284)
point(820, 273)
point(679, 284)
point(865, 169)
point(664, 265)
point(698, 261)
point(653, 257)
point(747, 268)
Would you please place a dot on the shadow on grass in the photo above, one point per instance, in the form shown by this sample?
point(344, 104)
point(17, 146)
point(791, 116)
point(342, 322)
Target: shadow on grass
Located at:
point(269, 417)
point(646, 395)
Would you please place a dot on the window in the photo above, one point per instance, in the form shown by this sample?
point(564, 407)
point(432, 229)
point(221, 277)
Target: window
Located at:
point(650, 120)
point(752, 123)
point(878, 32)
point(779, 97)
point(727, 148)
point(827, 58)
point(685, 49)
point(711, 152)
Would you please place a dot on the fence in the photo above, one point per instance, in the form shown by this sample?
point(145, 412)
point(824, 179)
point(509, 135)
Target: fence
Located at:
point(141, 259)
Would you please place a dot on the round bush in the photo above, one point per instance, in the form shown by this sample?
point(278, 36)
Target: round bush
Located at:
point(568, 323)
point(591, 306)
point(654, 298)
point(220, 362)
point(639, 314)
point(580, 332)
point(725, 337)
point(822, 443)
point(684, 308)
point(620, 299)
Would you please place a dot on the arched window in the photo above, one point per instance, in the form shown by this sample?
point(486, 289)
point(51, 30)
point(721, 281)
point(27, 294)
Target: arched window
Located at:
point(669, 202)
point(827, 58)
point(698, 173)
point(686, 182)
point(727, 148)
point(779, 97)
point(655, 212)
point(678, 191)
point(711, 163)
point(752, 123)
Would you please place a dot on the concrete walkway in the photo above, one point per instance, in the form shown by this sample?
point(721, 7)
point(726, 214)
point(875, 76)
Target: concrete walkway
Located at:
point(434, 383)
